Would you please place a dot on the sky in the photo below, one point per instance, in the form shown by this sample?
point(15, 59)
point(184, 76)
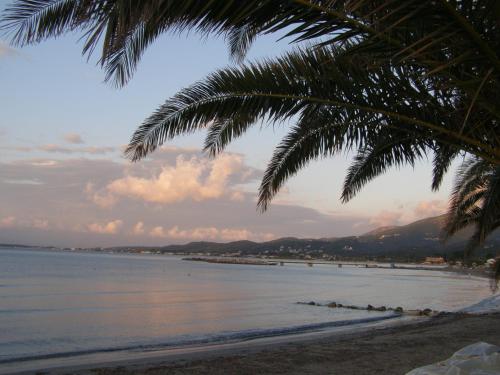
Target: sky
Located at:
point(64, 180)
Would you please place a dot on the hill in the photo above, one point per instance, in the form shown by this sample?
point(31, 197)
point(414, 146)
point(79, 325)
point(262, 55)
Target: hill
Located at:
point(413, 241)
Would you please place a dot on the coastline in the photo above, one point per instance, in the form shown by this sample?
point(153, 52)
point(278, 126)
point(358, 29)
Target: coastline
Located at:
point(149, 356)
point(475, 272)
point(377, 349)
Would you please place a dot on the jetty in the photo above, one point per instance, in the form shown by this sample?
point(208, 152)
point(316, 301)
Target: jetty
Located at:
point(251, 262)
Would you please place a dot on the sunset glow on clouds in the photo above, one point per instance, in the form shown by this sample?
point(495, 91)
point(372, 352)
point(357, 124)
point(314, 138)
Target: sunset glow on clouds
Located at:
point(64, 181)
point(6, 50)
point(176, 196)
point(430, 208)
point(111, 227)
point(194, 178)
point(7, 222)
point(209, 233)
point(73, 138)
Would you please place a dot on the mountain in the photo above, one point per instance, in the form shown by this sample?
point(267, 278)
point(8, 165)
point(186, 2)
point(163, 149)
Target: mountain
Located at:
point(414, 241)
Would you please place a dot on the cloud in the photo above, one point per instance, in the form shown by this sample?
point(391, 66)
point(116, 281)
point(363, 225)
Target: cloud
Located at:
point(6, 50)
point(73, 138)
point(53, 148)
point(44, 163)
point(171, 149)
point(103, 200)
point(237, 196)
point(23, 182)
point(95, 150)
point(430, 208)
point(138, 228)
point(70, 189)
point(158, 232)
point(12, 221)
point(386, 218)
point(8, 222)
point(41, 224)
point(196, 178)
point(235, 234)
point(208, 233)
point(111, 227)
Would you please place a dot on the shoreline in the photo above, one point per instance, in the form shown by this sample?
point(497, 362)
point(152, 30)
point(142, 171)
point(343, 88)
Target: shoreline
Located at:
point(139, 357)
point(386, 349)
point(475, 272)
point(121, 356)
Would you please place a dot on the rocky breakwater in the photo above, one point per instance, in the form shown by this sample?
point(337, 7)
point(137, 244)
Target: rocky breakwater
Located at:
point(252, 262)
point(397, 310)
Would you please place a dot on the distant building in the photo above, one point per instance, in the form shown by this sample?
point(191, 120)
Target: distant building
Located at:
point(434, 260)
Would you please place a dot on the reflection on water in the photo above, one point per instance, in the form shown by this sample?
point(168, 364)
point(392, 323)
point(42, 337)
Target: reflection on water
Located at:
point(60, 302)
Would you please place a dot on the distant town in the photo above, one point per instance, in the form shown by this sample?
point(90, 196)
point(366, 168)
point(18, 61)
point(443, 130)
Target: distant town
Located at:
point(417, 242)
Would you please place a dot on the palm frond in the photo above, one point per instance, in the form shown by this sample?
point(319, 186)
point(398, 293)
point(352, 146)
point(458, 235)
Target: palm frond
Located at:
point(443, 157)
point(304, 80)
point(315, 136)
point(475, 201)
point(385, 151)
point(393, 79)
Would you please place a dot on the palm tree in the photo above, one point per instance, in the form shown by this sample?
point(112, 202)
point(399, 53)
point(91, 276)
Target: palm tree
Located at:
point(475, 203)
point(394, 80)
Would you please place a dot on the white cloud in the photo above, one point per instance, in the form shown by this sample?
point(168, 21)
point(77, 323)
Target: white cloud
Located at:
point(23, 182)
point(44, 163)
point(95, 150)
point(73, 138)
point(235, 234)
point(138, 228)
point(8, 222)
point(196, 178)
point(67, 202)
point(386, 218)
point(12, 221)
point(171, 149)
point(425, 209)
point(208, 234)
point(41, 224)
point(111, 227)
point(102, 199)
point(158, 232)
point(53, 148)
point(237, 196)
point(6, 50)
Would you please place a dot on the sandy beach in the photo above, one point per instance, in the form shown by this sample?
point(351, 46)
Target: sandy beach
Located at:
point(386, 350)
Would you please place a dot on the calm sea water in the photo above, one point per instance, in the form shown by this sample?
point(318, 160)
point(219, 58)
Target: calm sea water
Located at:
point(61, 304)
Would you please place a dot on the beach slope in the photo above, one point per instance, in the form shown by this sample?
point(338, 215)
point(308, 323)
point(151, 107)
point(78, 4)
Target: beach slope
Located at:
point(390, 350)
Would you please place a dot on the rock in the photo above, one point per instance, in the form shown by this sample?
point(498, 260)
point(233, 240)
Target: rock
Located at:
point(381, 308)
point(312, 303)
point(414, 312)
point(332, 304)
point(427, 312)
point(399, 309)
point(339, 305)
point(369, 307)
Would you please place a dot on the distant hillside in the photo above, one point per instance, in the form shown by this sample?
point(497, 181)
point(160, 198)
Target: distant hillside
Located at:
point(406, 242)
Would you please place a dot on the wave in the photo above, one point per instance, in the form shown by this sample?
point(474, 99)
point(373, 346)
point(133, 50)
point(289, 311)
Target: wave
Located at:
point(215, 339)
point(488, 305)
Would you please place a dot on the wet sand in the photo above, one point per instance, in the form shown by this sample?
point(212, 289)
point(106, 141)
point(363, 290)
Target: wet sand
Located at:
point(388, 350)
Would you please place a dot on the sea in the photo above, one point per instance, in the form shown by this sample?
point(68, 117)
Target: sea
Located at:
point(56, 304)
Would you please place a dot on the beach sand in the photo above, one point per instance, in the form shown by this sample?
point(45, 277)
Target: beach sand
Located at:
point(389, 350)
